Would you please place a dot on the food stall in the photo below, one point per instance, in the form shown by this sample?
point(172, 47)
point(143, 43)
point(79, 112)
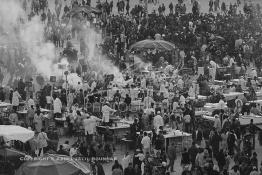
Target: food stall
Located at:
point(181, 139)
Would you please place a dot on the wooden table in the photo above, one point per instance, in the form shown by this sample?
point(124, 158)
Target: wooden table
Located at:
point(233, 95)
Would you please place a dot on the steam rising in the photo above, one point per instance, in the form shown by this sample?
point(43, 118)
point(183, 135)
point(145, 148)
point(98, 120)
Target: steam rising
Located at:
point(41, 53)
point(96, 60)
point(17, 31)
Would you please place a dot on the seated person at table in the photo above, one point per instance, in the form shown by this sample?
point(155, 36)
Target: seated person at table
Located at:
point(254, 109)
point(117, 96)
point(13, 118)
point(61, 151)
point(66, 146)
point(73, 151)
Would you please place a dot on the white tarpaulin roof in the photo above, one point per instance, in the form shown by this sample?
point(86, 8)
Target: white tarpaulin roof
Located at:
point(13, 132)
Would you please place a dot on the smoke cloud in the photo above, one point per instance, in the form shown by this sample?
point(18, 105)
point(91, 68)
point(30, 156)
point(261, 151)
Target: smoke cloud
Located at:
point(98, 62)
point(17, 31)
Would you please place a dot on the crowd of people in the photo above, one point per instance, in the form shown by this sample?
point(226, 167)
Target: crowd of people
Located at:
point(225, 38)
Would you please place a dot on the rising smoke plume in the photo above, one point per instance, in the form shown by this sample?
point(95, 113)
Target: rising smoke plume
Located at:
point(29, 35)
point(17, 31)
point(97, 61)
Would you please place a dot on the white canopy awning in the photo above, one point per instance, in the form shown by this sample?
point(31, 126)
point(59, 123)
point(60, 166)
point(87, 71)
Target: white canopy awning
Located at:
point(13, 132)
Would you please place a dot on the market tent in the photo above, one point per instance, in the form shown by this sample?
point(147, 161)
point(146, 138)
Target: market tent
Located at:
point(53, 165)
point(13, 132)
point(12, 155)
point(153, 44)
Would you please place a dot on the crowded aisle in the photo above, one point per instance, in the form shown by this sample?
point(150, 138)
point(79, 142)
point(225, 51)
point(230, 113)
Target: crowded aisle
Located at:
point(130, 87)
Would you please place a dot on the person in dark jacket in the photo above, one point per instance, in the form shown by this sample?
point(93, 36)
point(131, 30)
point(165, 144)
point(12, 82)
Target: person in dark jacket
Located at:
point(2, 94)
point(198, 136)
point(171, 152)
point(193, 150)
point(221, 159)
point(215, 140)
point(61, 151)
point(100, 169)
point(11, 95)
point(185, 160)
point(127, 100)
point(129, 170)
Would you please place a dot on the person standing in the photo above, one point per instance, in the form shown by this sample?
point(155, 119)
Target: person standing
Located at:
point(214, 141)
point(15, 99)
point(185, 160)
point(87, 128)
point(30, 102)
point(128, 101)
point(211, 3)
point(231, 139)
point(171, 8)
point(30, 116)
point(2, 94)
point(111, 5)
point(21, 89)
point(42, 141)
point(49, 100)
point(57, 107)
point(106, 113)
point(146, 142)
point(38, 121)
point(127, 8)
point(158, 121)
point(93, 124)
point(217, 123)
point(252, 131)
point(192, 151)
point(171, 153)
point(213, 67)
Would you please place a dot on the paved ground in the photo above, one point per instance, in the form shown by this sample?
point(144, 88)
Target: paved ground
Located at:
point(203, 4)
